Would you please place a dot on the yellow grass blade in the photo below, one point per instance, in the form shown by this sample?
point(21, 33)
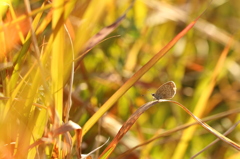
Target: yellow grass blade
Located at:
point(202, 104)
point(109, 103)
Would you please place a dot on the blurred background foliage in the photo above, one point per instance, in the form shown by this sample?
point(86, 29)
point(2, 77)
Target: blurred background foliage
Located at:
point(148, 26)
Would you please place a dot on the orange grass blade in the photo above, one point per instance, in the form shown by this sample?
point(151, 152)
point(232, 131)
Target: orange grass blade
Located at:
point(128, 124)
point(181, 127)
point(125, 127)
point(109, 103)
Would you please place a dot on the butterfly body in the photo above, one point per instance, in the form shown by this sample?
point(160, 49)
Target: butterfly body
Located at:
point(165, 91)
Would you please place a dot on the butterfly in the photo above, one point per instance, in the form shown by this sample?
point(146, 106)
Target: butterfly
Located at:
point(165, 91)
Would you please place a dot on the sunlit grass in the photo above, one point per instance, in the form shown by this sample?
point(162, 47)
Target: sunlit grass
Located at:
point(117, 53)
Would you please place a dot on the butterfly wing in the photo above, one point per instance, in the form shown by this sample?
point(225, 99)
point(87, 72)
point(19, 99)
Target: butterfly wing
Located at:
point(166, 91)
